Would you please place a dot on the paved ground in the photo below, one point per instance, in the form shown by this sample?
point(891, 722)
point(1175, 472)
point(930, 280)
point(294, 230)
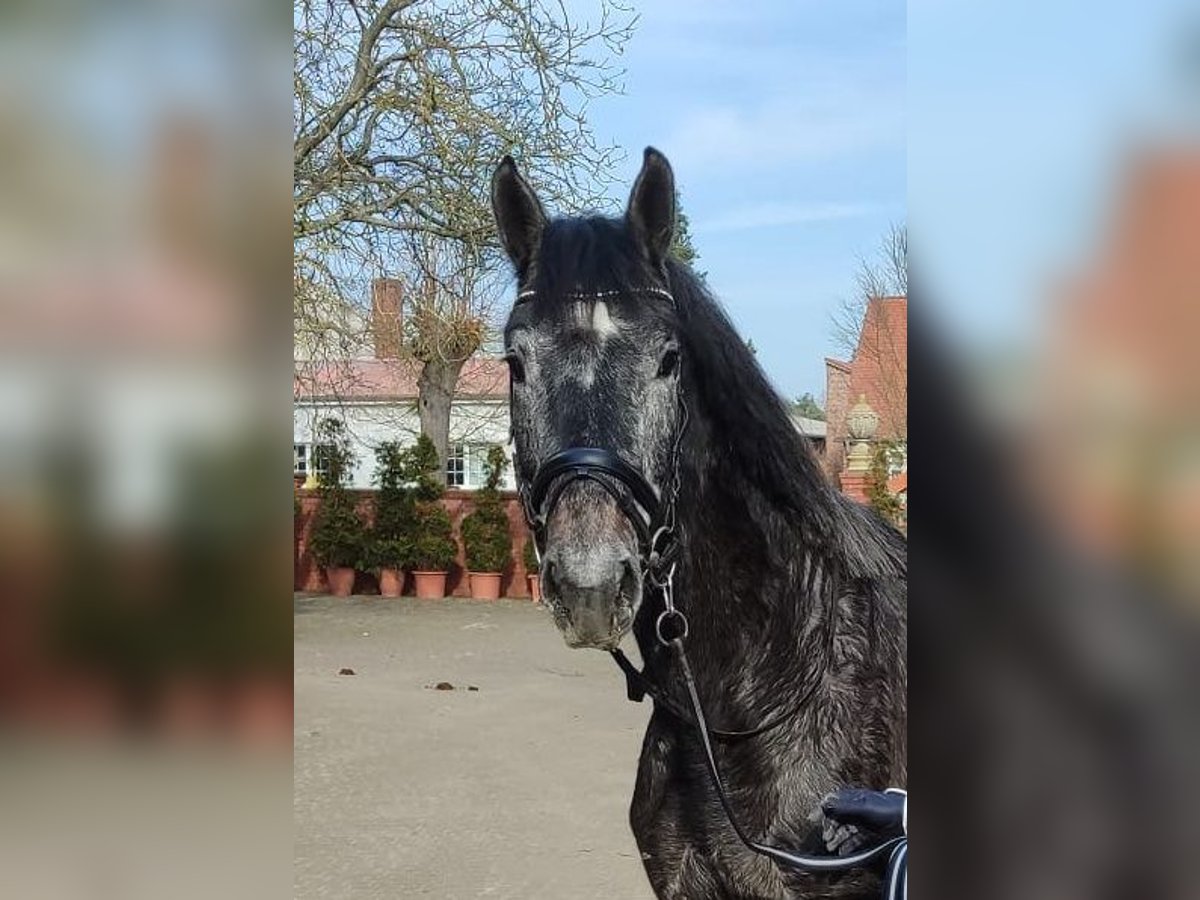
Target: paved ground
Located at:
point(518, 790)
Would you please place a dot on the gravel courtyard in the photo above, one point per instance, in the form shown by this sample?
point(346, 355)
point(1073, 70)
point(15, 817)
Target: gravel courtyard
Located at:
point(519, 789)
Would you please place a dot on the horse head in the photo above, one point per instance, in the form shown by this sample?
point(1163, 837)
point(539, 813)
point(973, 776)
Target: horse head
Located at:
point(593, 349)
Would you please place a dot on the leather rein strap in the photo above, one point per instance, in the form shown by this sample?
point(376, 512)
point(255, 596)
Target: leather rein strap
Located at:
point(638, 685)
point(780, 856)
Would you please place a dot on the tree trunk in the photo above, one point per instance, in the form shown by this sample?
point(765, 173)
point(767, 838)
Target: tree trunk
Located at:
point(435, 393)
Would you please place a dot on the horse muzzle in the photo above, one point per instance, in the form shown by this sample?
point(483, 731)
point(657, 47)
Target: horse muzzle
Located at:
point(592, 617)
point(597, 615)
point(591, 576)
point(595, 514)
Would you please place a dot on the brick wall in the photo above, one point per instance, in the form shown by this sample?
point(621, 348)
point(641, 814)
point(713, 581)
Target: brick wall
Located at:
point(837, 403)
point(308, 576)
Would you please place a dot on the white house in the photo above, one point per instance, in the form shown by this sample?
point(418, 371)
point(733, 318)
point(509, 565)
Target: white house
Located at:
point(375, 394)
point(377, 401)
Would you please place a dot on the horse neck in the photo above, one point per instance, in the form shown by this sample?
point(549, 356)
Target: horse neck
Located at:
point(745, 571)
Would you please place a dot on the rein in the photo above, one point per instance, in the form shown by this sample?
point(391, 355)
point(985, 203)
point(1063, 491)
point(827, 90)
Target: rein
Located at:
point(653, 519)
point(639, 686)
point(784, 857)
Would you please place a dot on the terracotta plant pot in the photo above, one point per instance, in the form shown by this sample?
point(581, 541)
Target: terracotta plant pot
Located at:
point(341, 580)
point(391, 582)
point(485, 585)
point(535, 588)
point(430, 585)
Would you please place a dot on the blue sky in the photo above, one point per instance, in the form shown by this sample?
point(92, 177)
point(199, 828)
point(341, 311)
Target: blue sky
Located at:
point(785, 124)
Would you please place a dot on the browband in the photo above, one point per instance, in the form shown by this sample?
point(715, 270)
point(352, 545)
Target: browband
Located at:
point(600, 295)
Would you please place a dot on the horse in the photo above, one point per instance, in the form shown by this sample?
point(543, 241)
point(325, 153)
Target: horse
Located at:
point(665, 480)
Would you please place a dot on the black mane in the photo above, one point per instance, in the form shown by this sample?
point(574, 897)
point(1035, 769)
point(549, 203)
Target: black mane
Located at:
point(590, 253)
point(766, 449)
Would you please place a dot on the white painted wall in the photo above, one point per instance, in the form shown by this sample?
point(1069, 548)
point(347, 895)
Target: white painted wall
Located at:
point(371, 423)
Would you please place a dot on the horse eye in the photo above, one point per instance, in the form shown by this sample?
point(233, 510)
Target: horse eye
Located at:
point(516, 368)
point(670, 362)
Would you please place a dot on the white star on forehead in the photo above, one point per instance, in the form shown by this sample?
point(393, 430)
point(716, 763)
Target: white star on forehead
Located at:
point(602, 323)
point(594, 316)
point(591, 315)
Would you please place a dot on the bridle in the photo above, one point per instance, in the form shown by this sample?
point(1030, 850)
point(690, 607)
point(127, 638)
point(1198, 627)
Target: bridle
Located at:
point(652, 516)
point(651, 513)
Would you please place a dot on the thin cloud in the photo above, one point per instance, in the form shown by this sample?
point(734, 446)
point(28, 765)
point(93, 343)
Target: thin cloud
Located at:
point(783, 133)
point(781, 215)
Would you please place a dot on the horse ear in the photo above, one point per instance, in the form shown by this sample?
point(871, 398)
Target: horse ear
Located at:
point(651, 211)
point(519, 215)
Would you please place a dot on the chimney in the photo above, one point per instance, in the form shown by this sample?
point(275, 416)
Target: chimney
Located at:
point(387, 317)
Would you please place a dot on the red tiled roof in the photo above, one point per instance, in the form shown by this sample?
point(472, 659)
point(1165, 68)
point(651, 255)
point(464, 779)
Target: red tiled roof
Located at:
point(394, 379)
point(838, 364)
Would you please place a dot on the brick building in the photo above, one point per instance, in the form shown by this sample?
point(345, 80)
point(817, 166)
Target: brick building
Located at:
point(878, 372)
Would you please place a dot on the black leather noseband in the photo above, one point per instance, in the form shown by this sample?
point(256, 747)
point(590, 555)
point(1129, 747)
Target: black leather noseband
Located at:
point(635, 496)
point(639, 501)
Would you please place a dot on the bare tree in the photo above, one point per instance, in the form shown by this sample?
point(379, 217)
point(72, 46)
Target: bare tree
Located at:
point(401, 108)
point(450, 308)
point(887, 275)
point(884, 275)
